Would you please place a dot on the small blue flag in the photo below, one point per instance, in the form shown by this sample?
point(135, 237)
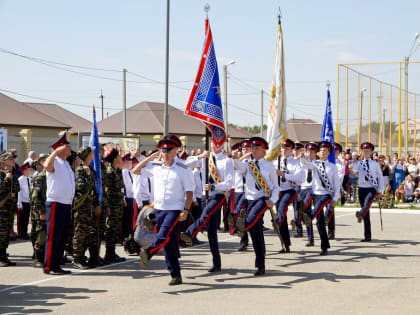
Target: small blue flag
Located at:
point(96, 163)
point(327, 133)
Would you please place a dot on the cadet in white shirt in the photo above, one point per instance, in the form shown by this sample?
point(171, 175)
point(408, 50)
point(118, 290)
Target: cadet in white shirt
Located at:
point(261, 192)
point(220, 180)
point(329, 214)
point(24, 206)
point(60, 194)
point(173, 196)
point(326, 189)
point(371, 185)
point(290, 176)
point(296, 222)
point(305, 194)
point(128, 211)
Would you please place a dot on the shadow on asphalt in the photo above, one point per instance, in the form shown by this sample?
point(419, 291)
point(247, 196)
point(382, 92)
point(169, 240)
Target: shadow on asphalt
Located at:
point(273, 275)
point(17, 300)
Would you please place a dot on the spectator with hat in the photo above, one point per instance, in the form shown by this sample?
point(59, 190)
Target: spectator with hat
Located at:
point(60, 194)
point(38, 198)
point(24, 206)
point(116, 192)
point(9, 188)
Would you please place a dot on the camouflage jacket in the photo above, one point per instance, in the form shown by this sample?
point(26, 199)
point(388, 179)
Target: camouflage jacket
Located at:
point(115, 187)
point(38, 195)
point(9, 188)
point(105, 203)
point(85, 196)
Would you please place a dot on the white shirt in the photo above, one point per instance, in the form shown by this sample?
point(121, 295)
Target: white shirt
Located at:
point(224, 166)
point(170, 184)
point(294, 175)
point(333, 179)
point(409, 188)
point(340, 169)
point(128, 182)
point(305, 184)
point(198, 184)
point(267, 171)
point(23, 195)
point(60, 183)
point(239, 184)
point(375, 170)
point(136, 189)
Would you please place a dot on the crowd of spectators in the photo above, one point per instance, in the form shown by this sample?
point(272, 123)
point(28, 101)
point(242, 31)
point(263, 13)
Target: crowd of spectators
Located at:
point(400, 175)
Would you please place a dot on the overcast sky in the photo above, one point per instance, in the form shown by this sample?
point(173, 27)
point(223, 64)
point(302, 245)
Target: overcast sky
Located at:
point(131, 34)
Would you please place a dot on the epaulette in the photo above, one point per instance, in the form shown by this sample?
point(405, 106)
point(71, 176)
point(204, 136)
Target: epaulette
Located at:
point(181, 164)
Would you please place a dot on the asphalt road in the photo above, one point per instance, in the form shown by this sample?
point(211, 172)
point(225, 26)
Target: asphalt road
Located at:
point(381, 277)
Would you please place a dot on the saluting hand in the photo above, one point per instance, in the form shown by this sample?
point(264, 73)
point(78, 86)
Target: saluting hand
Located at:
point(204, 155)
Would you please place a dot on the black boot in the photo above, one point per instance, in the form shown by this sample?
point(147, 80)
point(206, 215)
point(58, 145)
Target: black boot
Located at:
point(39, 260)
point(79, 263)
point(3, 258)
point(93, 258)
point(9, 262)
point(109, 254)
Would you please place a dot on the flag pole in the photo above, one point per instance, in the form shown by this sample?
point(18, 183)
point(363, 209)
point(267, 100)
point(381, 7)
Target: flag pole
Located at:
point(207, 148)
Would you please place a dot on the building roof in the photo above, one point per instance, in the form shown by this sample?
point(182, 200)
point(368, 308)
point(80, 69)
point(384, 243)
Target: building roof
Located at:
point(15, 113)
point(147, 118)
point(76, 122)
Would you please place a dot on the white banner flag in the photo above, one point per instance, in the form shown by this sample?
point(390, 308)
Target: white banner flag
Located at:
point(277, 126)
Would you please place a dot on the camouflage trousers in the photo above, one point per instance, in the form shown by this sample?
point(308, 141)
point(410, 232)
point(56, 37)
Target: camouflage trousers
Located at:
point(38, 232)
point(6, 224)
point(84, 232)
point(113, 226)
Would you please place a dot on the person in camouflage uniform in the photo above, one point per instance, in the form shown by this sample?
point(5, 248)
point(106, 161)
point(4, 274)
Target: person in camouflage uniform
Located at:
point(115, 190)
point(9, 188)
point(85, 209)
point(38, 197)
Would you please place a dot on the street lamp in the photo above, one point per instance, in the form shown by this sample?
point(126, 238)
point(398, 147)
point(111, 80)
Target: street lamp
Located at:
point(361, 117)
point(225, 109)
point(413, 48)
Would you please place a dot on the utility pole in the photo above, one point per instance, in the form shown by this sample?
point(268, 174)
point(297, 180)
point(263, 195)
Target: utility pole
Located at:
point(165, 110)
point(124, 129)
point(381, 121)
point(406, 59)
point(102, 105)
point(262, 114)
point(383, 124)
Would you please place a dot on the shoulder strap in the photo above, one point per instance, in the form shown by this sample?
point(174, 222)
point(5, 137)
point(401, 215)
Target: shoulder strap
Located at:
point(259, 178)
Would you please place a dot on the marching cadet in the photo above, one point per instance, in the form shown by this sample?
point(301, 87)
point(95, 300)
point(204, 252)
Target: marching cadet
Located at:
point(330, 213)
point(289, 175)
point(60, 193)
point(296, 222)
point(220, 180)
point(238, 200)
point(305, 194)
point(86, 208)
point(38, 211)
point(9, 188)
point(326, 189)
point(371, 185)
point(261, 191)
point(172, 200)
point(115, 185)
point(24, 206)
point(129, 196)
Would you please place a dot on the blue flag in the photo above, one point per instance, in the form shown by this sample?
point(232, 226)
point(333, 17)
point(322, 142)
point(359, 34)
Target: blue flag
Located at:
point(96, 163)
point(205, 103)
point(327, 133)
